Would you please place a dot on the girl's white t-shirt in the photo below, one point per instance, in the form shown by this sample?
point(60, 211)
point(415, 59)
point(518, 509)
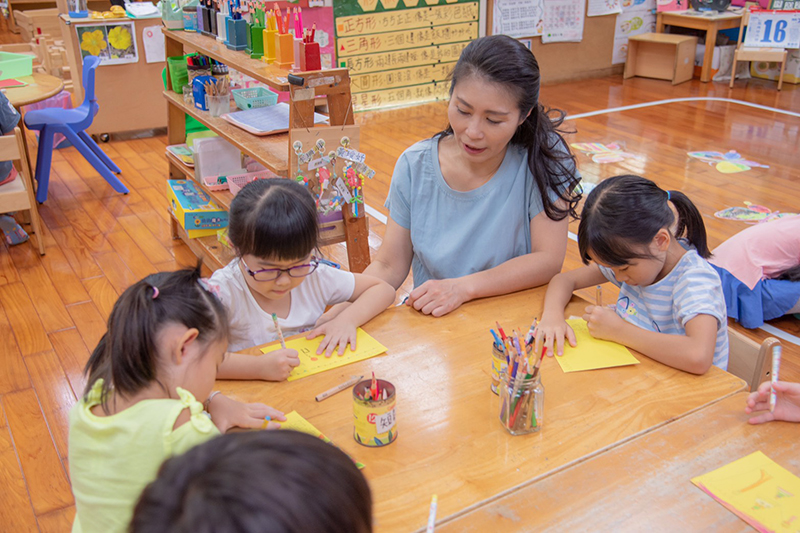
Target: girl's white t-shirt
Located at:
point(252, 326)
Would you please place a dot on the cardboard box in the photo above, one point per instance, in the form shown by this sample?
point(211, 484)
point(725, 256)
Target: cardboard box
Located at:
point(663, 56)
point(194, 210)
point(721, 59)
point(771, 71)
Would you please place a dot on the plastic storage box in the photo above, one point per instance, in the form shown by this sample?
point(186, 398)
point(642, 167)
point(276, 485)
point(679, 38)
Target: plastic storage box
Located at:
point(254, 97)
point(15, 65)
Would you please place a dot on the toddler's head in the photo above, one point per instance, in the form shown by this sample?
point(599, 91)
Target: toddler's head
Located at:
point(167, 328)
point(274, 228)
point(257, 482)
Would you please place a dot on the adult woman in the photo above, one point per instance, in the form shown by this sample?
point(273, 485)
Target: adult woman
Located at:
point(481, 208)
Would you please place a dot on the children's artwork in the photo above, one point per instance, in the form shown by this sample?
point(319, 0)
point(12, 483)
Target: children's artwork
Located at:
point(598, 8)
point(604, 153)
point(729, 163)
point(296, 422)
point(591, 353)
point(757, 490)
point(113, 42)
point(563, 21)
point(311, 363)
point(637, 17)
point(751, 213)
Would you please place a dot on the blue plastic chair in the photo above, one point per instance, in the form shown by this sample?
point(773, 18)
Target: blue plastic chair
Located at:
point(72, 123)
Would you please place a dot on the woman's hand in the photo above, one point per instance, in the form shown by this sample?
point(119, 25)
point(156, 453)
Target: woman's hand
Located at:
point(438, 297)
point(787, 402)
point(337, 332)
point(553, 331)
point(227, 413)
point(603, 322)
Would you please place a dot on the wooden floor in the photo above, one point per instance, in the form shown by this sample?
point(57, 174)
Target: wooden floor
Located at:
point(53, 308)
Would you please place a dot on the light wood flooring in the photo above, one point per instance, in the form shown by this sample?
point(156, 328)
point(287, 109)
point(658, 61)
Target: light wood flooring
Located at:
point(53, 308)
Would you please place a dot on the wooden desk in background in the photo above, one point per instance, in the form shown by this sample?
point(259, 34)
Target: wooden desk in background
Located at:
point(645, 484)
point(711, 24)
point(450, 441)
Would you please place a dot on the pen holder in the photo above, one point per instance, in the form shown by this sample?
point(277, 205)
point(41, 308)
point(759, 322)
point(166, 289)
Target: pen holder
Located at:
point(521, 403)
point(284, 51)
point(500, 363)
point(193, 72)
point(218, 105)
point(190, 18)
point(237, 34)
point(222, 26)
point(269, 46)
point(312, 57)
point(375, 420)
point(297, 44)
point(255, 41)
point(199, 91)
point(188, 95)
point(202, 17)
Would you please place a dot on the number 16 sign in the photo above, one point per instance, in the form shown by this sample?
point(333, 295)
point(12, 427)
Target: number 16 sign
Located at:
point(773, 29)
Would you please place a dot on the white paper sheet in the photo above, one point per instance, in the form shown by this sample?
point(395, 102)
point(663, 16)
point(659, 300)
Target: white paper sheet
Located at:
point(636, 18)
point(598, 8)
point(153, 42)
point(563, 21)
point(518, 18)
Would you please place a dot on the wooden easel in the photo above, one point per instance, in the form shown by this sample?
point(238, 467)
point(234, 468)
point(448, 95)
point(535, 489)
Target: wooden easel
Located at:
point(335, 85)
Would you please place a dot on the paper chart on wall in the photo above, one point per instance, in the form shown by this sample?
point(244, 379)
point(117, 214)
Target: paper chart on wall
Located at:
point(758, 490)
point(636, 18)
point(563, 21)
point(518, 18)
point(154, 46)
point(598, 8)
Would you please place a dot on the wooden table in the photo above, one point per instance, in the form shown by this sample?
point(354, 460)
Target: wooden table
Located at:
point(644, 485)
point(711, 24)
point(450, 441)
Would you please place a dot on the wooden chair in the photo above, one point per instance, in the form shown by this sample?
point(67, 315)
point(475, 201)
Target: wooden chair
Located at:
point(747, 53)
point(749, 360)
point(18, 194)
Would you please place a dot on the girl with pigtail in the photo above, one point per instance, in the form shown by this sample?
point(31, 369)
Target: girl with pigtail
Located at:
point(652, 244)
point(481, 209)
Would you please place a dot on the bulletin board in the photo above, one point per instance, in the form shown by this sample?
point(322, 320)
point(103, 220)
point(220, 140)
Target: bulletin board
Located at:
point(401, 52)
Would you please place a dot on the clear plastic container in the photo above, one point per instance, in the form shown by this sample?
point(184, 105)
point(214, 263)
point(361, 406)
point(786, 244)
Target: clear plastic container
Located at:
point(521, 403)
point(218, 105)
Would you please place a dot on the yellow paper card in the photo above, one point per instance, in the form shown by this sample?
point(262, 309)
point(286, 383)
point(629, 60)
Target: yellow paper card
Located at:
point(311, 363)
point(591, 353)
point(296, 422)
point(757, 490)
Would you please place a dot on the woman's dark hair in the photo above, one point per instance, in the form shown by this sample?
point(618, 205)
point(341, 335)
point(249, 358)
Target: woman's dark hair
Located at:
point(127, 355)
point(278, 481)
point(623, 214)
point(274, 218)
point(505, 61)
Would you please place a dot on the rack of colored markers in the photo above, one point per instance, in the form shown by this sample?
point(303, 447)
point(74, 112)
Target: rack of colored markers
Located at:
point(520, 386)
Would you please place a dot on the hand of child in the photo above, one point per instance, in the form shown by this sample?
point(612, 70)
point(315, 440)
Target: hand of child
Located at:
point(553, 331)
point(277, 365)
point(227, 413)
point(602, 322)
point(437, 297)
point(332, 313)
point(337, 333)
point(787, 402)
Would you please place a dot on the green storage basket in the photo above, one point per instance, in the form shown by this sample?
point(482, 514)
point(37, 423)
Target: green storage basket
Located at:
point(178, 74)
point(192, 124)
point(254, 97)
point(15, 65)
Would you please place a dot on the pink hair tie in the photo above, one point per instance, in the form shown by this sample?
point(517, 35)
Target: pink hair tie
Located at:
point(155, 292)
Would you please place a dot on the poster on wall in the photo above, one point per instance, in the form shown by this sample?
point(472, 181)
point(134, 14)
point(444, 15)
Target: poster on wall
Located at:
point(636, 18)
point(113, 42)
point(563, 21)
point(401, 52)
point(518, 18)
point(598, 8)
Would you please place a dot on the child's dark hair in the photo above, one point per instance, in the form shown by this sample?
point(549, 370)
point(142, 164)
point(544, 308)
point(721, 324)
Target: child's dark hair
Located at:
point(274, 218)
point(277, 481)
point(127, 355)
point(790, 274)
point(505, 61)
point(622, 215)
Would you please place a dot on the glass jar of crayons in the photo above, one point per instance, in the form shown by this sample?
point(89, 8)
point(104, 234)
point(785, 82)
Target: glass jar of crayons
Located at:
point(521, 400)
point(374, 402)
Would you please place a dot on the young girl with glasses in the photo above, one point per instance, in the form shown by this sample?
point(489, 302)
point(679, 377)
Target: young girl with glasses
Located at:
point(274, 230)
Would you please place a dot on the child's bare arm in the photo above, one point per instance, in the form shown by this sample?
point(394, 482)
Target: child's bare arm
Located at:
point(272, 366)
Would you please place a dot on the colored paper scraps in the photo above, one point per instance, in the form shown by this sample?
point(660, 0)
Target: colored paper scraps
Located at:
point(591, 353)
point(729, 163)
point(311, 363)
point(757, 490)
point(751, 213)
point(296, 422)
point(604, 153)
point(10, 84)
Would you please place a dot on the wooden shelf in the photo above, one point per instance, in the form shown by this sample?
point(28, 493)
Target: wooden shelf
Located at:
point(209, 249)
point(272, 151)
point(221, 198)
point(255, 68)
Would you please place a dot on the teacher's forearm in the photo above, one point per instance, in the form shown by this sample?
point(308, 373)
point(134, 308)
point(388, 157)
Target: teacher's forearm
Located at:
point(519, 273)
point(391, 272)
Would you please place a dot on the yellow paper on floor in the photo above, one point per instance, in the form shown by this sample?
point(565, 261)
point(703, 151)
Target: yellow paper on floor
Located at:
point(311, 363)
point(296, 422)
point(758, 490)
point(591, 353)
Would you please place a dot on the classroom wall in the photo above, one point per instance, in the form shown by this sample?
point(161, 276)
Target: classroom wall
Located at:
point(590, 58)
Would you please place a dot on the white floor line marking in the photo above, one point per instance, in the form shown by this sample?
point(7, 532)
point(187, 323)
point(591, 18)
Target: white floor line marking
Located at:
point(678, 100)
point(572, 236)
point(377, 215)
point(788, 337)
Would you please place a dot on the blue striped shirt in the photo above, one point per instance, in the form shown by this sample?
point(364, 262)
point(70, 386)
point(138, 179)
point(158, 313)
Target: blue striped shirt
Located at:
point(692, 288)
